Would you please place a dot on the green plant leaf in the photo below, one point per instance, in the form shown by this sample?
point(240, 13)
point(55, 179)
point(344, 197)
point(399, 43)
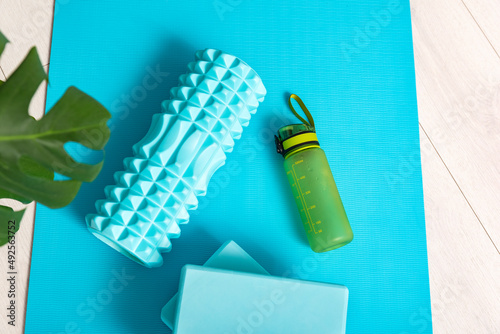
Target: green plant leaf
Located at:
point(3, 42)
point(10, 221)
point(7, 194)
point(32, 151)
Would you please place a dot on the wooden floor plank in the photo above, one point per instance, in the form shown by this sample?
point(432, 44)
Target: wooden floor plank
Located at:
point(23, 246)
point(486, 13)
point(464, 265)
point(25, 23)
point(458, 85)
point(24, 237)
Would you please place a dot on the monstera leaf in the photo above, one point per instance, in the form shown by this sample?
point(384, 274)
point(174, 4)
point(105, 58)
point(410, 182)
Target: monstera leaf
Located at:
point(32, 151)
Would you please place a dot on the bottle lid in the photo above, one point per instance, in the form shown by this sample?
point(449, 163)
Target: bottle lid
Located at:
point(294, 136)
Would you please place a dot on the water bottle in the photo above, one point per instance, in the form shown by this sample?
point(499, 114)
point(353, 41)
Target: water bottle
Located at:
point(312, 183)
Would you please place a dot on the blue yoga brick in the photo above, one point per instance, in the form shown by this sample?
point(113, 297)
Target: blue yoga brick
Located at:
point(229, 256)
point(174, 162)
point(233, 302)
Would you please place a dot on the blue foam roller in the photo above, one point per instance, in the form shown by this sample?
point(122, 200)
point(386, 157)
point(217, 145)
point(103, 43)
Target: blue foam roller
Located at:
point(232, 302)
point(174, 162)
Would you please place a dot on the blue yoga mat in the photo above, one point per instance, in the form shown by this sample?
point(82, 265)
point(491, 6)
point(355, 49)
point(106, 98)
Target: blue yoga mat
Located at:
point(352, 64)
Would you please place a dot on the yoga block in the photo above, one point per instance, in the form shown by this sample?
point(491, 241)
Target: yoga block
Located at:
point(229, 256)
point(231, 302)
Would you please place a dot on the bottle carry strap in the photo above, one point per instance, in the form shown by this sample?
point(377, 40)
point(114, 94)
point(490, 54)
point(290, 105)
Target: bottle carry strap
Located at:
point(294, 137)
point(304, 109)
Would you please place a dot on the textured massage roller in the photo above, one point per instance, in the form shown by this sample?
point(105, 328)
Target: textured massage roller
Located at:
point(174, 162)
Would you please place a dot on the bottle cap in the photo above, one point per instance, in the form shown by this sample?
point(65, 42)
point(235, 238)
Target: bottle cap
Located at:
point(294, 136)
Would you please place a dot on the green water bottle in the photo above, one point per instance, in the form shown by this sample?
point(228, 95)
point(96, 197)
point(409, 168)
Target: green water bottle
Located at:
point(313, 186)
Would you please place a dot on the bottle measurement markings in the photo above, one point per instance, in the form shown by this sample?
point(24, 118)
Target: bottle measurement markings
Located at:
point(302, 198)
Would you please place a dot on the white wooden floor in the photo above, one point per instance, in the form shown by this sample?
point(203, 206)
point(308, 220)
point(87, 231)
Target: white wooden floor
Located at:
point(457, 56)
